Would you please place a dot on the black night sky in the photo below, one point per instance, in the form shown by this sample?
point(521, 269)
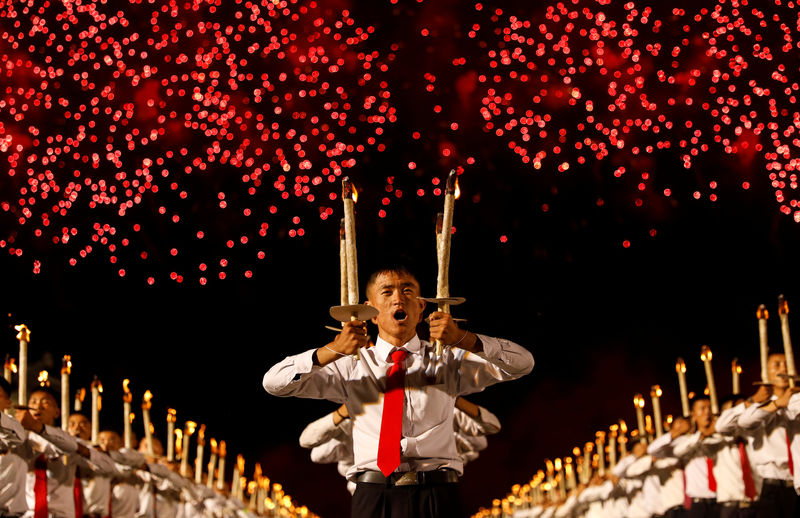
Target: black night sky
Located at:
point(606, 282)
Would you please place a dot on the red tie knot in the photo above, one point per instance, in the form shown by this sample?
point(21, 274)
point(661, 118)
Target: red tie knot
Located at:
point(398, 355)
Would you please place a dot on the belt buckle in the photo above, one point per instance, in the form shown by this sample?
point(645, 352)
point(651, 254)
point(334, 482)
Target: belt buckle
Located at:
point(409, 478)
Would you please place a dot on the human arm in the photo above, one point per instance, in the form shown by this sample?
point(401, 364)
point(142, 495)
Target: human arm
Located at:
point(728, 421)
point(320, 431)
point(475, 420)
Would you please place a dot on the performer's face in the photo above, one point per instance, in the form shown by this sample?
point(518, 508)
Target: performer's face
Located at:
point(79, 426)
point(109, 441)
point(43, 407)
point(395, 296)
point(701, 413)
point(776, 368)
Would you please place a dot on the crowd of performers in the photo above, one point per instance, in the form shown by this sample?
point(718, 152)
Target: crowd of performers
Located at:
point(58, 462)
point(732, 456)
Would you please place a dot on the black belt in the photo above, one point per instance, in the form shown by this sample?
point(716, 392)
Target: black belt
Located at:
point(778, 482)
point(704, 500)
point(409, 478)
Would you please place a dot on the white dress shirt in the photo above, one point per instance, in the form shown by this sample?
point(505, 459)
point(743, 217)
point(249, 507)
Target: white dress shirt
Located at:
point(667, 469)
point(125, 493)
point(13, 468)
point(427, 429)
point(696, 451)
point(770, 454)
point(60, 474)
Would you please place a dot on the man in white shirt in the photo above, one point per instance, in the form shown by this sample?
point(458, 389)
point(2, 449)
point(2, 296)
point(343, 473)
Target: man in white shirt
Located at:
point(13, 468)
point(405, 459)
point(697, 450)
point(766, 420)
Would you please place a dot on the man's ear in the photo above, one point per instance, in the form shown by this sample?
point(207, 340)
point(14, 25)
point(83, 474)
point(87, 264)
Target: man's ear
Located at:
point(374, 320)
point(422, 304)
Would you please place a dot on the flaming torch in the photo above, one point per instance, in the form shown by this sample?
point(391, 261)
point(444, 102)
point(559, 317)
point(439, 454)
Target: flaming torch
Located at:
point(97, 389)
point(444, 231)
point(238, 469)
point(623, 439)
point(612, 446)
point(127, 398)
point(353, 310)
point(736, 371)
point(223, 451)
point(763, 315)
point(655, 395)
point(148, 434)
point(188, 430)
point(43, 379)
point(212, 464)
point(705, 355)
point(783, 312)
point(198, 461)
point(638, 402)
point(66, 369)
point(24, 337)
point(171, 418)
point(680, 368)
point(9, 368)
point(600, 439)
point(80, 395)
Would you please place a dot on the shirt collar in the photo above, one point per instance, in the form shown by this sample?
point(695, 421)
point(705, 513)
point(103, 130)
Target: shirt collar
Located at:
point(384, 349)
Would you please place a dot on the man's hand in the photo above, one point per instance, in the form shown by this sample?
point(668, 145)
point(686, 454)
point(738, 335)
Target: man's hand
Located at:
point(763, 393)
point(783, 400)
point(29, 422)
point(352, 338)
point(444, 328)
point(680, 426)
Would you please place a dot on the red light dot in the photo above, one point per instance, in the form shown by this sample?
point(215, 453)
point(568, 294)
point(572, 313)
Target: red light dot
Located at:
point(203, 281)
point(121, 272)
point(222, 275)
point(200, 234)
point(626, 244)
point(248, 274)
point(504, 239)
point(150, 281)
point(174, 252)
point(412, 165)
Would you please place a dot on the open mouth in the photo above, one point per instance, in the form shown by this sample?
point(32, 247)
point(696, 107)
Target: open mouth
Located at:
point(400, 315)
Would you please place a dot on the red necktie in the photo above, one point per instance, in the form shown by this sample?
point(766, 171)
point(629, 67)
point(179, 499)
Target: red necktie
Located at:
point(77, 493)
point(392, 417)
point(712, 482)
point(687, 501)
point(747, 473)
point(40, 487)
point(789, 451)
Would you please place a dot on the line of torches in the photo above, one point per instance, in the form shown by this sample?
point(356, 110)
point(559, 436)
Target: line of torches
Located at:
point(257, 493)
point(560, 476)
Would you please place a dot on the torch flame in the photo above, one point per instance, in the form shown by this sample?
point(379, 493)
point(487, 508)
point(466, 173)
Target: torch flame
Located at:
point(131, 417)
point(623, 427)
point(601, 436)
point(66, 364)
point(638, 401)
point(648, 423)
point(762, 313)
point(549, 466)
point(24, 333)
point(251, 487)
point(201, 435)
point(257, 471)
point(240, 463)
point(179, 441)
point(172, 415)
point(214, 449)
point(783, 306)
point(11, 365)
point(613, 430)
point(589, 446)
point(190, 427)
point(735, 367)
point(680, 366)
point(670, 419)
point(146, 400)
point(655, 391)
point(223, 450)
point(80, 395)
point(349, 190)
point(705, 353)
point(43, 379)
point(126, 393)
point(576, 451)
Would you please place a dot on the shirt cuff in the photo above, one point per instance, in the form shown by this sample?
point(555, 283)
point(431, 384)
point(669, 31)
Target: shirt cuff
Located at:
point(304, 362)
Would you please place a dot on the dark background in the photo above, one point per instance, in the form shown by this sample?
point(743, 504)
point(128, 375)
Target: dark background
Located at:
point(603, 320)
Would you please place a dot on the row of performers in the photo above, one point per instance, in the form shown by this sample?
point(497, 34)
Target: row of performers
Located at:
point(739, 463)
point(47, 472)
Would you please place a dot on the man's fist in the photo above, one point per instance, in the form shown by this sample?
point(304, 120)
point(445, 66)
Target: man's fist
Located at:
point(352, 338)
point(680, 426)
point(28, 421)
point(444, 328)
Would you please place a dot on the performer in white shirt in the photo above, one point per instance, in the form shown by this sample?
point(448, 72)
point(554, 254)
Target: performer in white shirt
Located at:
point(738, 485)
point(13, 468)
point(766, 420)
point(405, 459)
point(697, 450)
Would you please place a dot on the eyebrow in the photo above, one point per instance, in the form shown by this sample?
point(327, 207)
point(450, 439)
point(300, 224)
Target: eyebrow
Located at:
point(392, 285)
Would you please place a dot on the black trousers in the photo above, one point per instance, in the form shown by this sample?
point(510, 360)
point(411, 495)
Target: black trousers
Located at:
point(738, 512)
point(704, 510)
point(676, 512)
point(414, 501)
point(777, 501)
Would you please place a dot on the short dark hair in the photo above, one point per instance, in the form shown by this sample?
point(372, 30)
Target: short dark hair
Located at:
point(401, 265)
point(6, 386)
point(697, 398)
point(80, 413)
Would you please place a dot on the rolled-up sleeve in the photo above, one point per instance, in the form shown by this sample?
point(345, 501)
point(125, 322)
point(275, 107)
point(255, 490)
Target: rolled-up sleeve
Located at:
point(728, 421)
point(754, 416)
point(298, 376)
point(500, 360)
